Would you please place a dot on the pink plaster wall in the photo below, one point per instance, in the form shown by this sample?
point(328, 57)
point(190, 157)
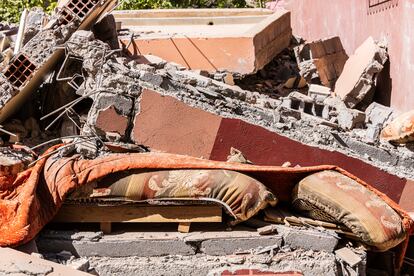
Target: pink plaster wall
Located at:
point(351, 21)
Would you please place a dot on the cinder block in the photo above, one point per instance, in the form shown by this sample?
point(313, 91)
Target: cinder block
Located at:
point(229, 246)
point(308, 239)
point(117, 248)
point(350, 118)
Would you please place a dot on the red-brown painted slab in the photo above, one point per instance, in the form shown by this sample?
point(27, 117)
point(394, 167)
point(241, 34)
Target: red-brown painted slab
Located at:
point(167, 124)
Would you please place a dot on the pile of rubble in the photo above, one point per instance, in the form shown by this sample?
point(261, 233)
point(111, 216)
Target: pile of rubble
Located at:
point(68, 81)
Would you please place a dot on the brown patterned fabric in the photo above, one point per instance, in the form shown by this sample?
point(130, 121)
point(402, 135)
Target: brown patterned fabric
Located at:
point(401, 129)
point(329, 195)
point(244, 195)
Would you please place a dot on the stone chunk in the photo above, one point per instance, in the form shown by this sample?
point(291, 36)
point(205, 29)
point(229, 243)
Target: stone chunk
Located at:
point(81, 264)
point(229, 246)
point(321, 60)
point(350, 118)
point(348, 256)
point(319, 92)
point(360, 72)
point(308, 239)
point(266, 230)
point(378, 114)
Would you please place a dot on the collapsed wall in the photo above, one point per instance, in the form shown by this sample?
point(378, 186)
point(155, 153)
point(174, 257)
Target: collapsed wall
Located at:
point(155, 103)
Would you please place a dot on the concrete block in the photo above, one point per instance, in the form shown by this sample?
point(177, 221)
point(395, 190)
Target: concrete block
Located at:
point(266, 230)
point(370, 151)
point(174, 121)
point(378, 114)
point(212, 40)
point(13, 262)
point(230, 246)
point(360, 72)
point(308, 239)
point(122, 105)
point(117, 248)
point(373, 133)
point(350, 118)
point(319, 92)
point(321, 60)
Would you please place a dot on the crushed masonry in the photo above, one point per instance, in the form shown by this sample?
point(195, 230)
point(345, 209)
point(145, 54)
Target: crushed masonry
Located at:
point(126, 119)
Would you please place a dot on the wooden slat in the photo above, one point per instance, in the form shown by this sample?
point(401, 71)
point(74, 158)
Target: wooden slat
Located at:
point(184, 227)
point(106, 227)
point(131, 213)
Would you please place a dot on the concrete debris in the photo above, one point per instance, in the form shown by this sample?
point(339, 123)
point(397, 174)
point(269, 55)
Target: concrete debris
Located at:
point(348, 256)
point(266, 230)
point(77, 77)
point(13, 262)
point(360, 73)
point(318, 92)
point(321, 61)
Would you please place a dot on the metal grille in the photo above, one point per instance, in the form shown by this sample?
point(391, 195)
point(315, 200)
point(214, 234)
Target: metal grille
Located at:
point(19, 71)
point(81, 7)
point(375, 6)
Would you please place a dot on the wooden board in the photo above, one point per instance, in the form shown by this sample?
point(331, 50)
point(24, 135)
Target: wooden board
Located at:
point(132, 213)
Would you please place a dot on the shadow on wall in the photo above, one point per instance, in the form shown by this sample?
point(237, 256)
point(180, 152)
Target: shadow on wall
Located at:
point(384, 86)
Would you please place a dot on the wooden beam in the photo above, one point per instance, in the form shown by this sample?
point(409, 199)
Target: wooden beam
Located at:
point(141, 213)
point(106, 227)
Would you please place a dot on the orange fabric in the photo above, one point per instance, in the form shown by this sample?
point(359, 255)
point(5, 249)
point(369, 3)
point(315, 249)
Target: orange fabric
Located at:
point(37, 193)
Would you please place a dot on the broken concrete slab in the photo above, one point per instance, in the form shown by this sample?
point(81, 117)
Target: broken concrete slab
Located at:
point(350, 118)
point(321, 60)
point(13, 262)
point(219, 247)
point(319, 92)
point(191, 37)
point(360, 72)
point(296, 237)
point(378, 114)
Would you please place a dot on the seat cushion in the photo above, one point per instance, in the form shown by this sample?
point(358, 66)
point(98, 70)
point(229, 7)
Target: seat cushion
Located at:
point(332, 196)
point(243, 195)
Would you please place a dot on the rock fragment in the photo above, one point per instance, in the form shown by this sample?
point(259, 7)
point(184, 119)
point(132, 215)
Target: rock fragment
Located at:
point(360, 72)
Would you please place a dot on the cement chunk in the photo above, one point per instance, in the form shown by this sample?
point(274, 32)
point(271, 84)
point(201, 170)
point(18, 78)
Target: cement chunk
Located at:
point(308, 239)
point(230, 246)
point(360, 72)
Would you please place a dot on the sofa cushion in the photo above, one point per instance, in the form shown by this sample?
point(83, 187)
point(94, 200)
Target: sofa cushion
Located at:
point(401, 129)
point(243, 195)
point(332, 196)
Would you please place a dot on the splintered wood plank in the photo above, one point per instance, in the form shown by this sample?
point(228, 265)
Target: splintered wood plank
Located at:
point(131, 213)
